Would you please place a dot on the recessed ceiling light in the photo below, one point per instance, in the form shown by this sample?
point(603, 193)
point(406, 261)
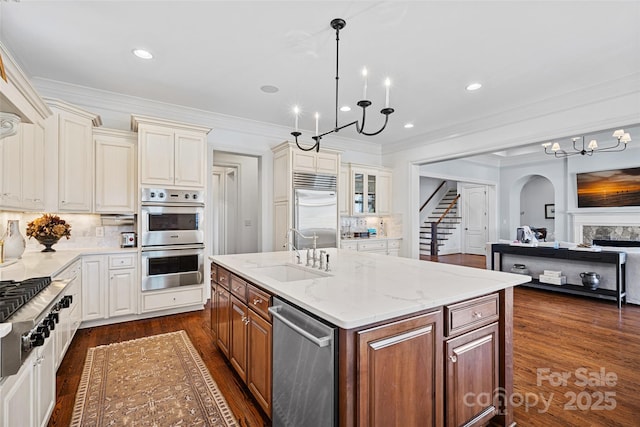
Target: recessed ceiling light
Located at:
point(269, 89)
point(408, 125)
point(474, 86)
point(141, 53)
point(345, 108)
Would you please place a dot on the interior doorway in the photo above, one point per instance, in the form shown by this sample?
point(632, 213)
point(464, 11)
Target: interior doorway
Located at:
point(235, 203)
point(475, 218)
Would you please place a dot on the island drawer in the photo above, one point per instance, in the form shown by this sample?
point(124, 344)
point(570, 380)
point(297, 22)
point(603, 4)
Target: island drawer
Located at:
point(472, 314)
point(239, 288)
point(259, 301)
point(224, 277)
point(394, 244)
point(214, 273)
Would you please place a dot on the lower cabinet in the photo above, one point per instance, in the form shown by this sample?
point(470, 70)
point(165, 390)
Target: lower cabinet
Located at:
point(399, 375)
point(472, 377)
point(70, 317)
point(110, 286)
point(29, 396)
point(242, 329)
point(472, 361)
point(172, 298)
point(380, 245)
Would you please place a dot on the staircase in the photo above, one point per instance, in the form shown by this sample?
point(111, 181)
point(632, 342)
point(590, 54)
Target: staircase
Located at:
point(446, 226)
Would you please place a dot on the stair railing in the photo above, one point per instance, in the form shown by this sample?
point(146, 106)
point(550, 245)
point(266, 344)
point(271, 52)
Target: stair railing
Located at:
point(434, 226)
point(431, 196)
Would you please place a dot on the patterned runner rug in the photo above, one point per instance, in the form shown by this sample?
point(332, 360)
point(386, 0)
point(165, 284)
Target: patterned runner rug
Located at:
point(153, 381)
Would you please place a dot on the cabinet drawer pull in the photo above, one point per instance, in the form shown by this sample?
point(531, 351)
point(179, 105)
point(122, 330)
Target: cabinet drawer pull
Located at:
point(237, 288)
point(453, 358)
point(477, 314)
point(257, 301)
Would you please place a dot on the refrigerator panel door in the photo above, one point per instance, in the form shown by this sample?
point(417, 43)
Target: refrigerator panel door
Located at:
point(316, 212)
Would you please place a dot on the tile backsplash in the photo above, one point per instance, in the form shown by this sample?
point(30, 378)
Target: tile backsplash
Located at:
point(83, 230)
point(392, 224)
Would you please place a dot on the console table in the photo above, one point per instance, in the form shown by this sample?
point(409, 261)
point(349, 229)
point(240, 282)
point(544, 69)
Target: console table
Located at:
point(593, 260)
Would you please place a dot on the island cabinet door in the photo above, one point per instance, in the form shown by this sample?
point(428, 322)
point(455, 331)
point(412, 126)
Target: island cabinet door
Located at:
point(400, 373)
point(214, 312)
point(472, 377)
point(238, 339)
point(222, 304)
point(259, 363)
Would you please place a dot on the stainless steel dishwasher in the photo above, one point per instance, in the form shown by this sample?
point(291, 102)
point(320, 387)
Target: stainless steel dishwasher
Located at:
point(304, 368)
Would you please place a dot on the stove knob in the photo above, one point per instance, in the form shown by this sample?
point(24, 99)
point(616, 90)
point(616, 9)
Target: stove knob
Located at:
point(42, 329)
point(186, 195)
point(49, 323)
point(64, 302)
point(152, 195)
point(37, 339)
point(161, 195)
point(195, 196)
point(55, 317)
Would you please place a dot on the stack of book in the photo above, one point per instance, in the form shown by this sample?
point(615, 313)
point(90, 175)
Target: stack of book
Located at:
point(553, 277)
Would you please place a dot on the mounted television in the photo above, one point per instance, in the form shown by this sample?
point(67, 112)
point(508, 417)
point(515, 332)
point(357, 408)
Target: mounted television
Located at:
point(611, 188)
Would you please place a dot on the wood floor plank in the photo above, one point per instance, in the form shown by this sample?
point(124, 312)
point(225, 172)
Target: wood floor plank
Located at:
point(561, 333)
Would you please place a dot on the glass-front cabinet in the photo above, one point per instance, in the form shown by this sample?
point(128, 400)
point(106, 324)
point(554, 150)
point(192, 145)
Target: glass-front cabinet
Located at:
point(371, 188)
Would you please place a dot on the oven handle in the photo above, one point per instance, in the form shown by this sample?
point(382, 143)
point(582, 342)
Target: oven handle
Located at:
point(171, 247)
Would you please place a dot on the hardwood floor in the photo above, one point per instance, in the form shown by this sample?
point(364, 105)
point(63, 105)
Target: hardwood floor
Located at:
point(554, 335)
point(197, 325)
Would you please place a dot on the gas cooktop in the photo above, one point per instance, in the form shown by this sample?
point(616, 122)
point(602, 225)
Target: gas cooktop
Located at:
point(13, 295)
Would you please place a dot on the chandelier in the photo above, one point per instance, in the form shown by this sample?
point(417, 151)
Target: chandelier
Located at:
point(338, 24)
point(582, 149)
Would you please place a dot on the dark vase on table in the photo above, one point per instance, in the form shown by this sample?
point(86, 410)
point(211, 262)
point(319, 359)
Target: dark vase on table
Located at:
point(48, 242)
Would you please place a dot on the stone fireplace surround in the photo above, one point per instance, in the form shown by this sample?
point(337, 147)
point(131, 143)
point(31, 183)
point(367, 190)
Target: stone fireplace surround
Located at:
point(613, 226)
point(610, 226)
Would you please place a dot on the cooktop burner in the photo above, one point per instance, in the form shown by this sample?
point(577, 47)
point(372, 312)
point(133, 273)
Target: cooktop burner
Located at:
point(14, 295)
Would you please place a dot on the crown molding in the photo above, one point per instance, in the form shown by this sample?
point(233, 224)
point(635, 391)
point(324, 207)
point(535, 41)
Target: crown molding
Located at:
point(18, 94)
point(58, 104)
point(102, 100)
point(546, 108)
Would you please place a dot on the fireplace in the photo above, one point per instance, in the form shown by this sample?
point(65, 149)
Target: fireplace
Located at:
point(588, 227)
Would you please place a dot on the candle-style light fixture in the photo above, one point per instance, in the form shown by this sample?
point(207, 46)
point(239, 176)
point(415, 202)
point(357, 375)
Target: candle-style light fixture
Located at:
point(338, 24)
point(588, 149)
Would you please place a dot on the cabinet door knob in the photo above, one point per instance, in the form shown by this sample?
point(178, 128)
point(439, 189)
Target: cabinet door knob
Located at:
point(257, 301)
point(477, 314)
point(453, 358)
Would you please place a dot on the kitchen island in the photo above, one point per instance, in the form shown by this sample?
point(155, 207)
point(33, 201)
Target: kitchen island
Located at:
point(419, 343)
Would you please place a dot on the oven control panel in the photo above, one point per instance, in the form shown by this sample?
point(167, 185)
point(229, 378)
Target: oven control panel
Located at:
point(164, 195)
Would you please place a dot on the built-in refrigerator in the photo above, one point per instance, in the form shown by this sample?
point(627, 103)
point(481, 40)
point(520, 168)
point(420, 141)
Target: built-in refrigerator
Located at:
point(315, 210)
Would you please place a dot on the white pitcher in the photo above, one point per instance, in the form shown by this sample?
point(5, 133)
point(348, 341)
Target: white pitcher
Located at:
point(14, 243)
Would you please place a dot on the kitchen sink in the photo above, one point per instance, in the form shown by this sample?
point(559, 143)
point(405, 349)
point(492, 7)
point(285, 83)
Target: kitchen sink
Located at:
point(290, 272)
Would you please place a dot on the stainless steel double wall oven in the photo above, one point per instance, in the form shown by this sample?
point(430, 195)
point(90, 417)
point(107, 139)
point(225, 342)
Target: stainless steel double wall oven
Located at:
point(172, 238)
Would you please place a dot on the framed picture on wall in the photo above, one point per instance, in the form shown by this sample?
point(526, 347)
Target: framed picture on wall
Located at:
point(549, 211)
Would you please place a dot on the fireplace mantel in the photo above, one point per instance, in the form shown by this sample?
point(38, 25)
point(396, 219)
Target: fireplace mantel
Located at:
point(604, 219)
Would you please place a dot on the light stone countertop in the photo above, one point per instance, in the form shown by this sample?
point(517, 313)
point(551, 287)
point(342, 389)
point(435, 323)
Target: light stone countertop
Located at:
point(44, 264)
point(365, 288)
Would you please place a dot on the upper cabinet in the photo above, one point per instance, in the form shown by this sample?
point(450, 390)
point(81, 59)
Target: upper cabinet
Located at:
point(321, 162)
point(369, 190)
point(170, 153)
point(115, 171)
point(72, 127)
point(22, 173)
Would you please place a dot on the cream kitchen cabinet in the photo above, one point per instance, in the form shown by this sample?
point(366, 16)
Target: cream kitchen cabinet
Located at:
point(110, 286)
point(321, 162)
point(28, 397)
point(383, 246)
point(22, 175)
point(287, 161)
point(172, 298)
point(370, 190)
point(116, 174)
point(170, 153)
point(344, 191)
point(70, 317)
point(72, 128)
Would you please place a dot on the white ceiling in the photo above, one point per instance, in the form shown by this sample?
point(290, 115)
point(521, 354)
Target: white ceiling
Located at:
point(215, 55)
